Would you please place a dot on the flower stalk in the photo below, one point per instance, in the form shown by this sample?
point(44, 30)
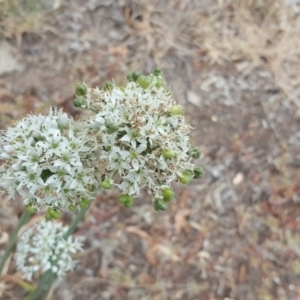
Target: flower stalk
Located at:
point(13, 239)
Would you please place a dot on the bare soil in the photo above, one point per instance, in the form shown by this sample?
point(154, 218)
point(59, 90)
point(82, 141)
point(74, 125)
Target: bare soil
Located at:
point(235, 234)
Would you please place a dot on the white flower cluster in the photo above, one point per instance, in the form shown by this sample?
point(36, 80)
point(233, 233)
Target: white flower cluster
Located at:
point(48, 161)
point(43, 247)
point(142, 135)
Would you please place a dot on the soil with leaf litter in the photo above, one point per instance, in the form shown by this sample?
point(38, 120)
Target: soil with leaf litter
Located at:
point(234, 65)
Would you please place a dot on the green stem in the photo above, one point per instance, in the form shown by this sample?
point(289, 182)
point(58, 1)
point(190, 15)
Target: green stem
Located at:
point(76, 221)
point(48, 277)
point(44, 286)
point(12, 241)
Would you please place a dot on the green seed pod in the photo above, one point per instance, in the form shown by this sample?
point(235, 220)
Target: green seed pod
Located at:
point(186, 177)
point(160, 205)
point(167, 194)
point(106, 184)
point(111, 127)
point(194, 152)
point(72, 207)
point(159, 83)
point(167, 153)
point(79, 101)
point(176, 110)
point(48, 217)
point(129, 78)
point(144, 81)
point(157, 71)
point(53, 213)
point(126, 200)
point(198, 172)
point(81, 89)
point(135, 76)
point(108, 85)
point(84, 203)
point(30, 209)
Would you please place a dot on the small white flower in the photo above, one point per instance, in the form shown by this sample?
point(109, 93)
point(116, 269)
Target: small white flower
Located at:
point(49, 160)
point(146, 127)
point(43, 247)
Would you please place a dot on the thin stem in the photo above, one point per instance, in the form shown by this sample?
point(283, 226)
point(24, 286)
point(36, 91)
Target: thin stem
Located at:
point(12, 241)
point(44, 285)
point(48, 277)
point(75, 222)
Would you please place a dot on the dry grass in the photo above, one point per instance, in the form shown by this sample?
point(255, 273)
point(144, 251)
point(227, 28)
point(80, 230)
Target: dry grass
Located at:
point(249, 33)
point(22, 16)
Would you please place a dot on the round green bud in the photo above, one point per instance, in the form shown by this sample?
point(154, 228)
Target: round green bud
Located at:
point(79, 101)
point(126, 200)
point(144, 81)
point(167, 194)
point(157, 71)
point(53, 213)
point(159, 83)
point(167, 153)
point(186, 177)
point(81, 89)
point(129, 77)
point(198, 172)
point(194, 152)
point(135, 76)
point(30, 209)
point(106, 184)
point(72, 207)
point(112, 129)
point(108, 85)
point(84, 203)
point(160, 205)
point(176, 110)
point(48, 217)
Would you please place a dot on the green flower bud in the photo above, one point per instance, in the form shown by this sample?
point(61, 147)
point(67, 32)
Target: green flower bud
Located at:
point(194, 152)
point(176, 110)
point(144, 81)
point(135, 76)
point(53, 213)
point(81, 89)
point(159, 83)
point(186, 177)
point(72, 207)
point(79, 101)
point(111, 127)
point(30, 209)
point(160, 205)
point(168, 153)
point(108, 85)
point(129, 77)
point(198, 172)
point(157, 71)
point(126, 200)
point(84, 203)
point(167, 194)
point(48, 217)
point(106, 184)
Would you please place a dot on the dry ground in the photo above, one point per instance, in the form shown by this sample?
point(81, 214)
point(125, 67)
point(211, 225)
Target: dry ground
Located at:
point(234, 65)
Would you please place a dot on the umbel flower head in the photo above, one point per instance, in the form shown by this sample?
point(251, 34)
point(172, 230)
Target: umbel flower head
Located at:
point(43, 247)
point(142, 135)
point(48, 161)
